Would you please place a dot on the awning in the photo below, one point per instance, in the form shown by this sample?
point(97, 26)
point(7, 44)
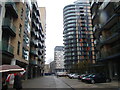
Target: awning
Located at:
point(11, 68)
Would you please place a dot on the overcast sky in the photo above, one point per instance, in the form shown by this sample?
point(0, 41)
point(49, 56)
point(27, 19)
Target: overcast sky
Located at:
point(54, 27)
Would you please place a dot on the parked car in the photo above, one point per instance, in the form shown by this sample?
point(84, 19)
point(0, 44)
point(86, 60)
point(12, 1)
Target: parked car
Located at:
point(97, 78)
point(61, 74)
point(69, 75)
point(81, 76)
point(75, 76)
point(87, 76)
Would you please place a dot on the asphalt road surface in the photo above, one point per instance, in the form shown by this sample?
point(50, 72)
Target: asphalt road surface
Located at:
point(50, 82)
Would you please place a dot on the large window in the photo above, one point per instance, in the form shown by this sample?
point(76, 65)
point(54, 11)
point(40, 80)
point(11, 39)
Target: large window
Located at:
point(22, 13)
point(18, 49)
point(20, 30)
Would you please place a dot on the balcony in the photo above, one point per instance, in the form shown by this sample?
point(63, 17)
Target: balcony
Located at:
point(113, 52)
point(32, 42)
point(37, 19)
point(40, 52)
point(33, 33)
point(38, 13)
point(36, 43)
point(112, 19)
point(39, 58)
point(34, 52)
point(10, 6)
point(40, 44)
point(110, 38)
point(35, 6)
point(34, 62)
point(8, 27)
point(83, 36)
point(95, 17)
point(96, 30)
point(104, 4)
point(7, 48)
point(117, 7)
point(93, 5)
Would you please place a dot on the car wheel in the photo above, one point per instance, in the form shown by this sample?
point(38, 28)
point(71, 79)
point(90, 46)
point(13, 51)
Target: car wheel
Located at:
point(93, 81)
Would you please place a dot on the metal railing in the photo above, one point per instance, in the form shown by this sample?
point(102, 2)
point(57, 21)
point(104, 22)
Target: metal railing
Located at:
point(11, 2)
point(6, 47)
point(111, 51)
point(7, 23)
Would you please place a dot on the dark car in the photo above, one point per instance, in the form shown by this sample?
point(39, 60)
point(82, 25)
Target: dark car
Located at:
point(97, 78)
point(87, 76)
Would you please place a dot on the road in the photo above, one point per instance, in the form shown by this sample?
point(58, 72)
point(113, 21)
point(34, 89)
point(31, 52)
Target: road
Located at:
point(63, 82)
point(45, 82)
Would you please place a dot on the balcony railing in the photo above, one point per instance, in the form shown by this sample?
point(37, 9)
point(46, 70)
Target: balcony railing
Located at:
point(11, 6)
point(7, 24)
point(5, 47)
point(117, 6)
point(35, 62)
point(114, 33)
point(111, 52)
point(104, 4)
point(34, 52)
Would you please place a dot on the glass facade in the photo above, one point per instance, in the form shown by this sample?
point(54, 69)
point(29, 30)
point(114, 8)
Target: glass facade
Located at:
point(77, 34)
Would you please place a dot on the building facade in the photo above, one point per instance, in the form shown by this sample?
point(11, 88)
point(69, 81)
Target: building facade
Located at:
point(37, 45)
point(43, 23)
point(106, 26)
point(59, 59)
point(52, 67)
point(13, 30)
point(47, 69)
point(22, 40)
point(78, 35)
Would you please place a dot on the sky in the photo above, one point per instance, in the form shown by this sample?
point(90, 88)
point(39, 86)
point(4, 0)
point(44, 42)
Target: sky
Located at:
point(54, 24)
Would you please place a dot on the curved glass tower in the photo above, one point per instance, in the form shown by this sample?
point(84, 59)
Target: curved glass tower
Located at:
point(78, 34)
point(70, 40)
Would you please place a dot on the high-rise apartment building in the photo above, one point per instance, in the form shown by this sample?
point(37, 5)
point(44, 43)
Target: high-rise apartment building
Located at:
point(106, 26)
point(37, 46)
point(59, 59)
point(78, 35)
point(43, 23)
point(22, 41)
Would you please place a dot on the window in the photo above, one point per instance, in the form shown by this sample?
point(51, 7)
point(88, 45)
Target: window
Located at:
point(18, 49)
point(22, 13)
point(20, 30)
point(25, 54)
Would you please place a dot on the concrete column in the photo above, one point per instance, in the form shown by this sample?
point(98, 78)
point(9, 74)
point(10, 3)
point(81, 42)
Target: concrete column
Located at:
point(13, 62)
point(110, 69)
point(26, 76)
point(31, 72)
point(2, 13)
point(35, 71)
